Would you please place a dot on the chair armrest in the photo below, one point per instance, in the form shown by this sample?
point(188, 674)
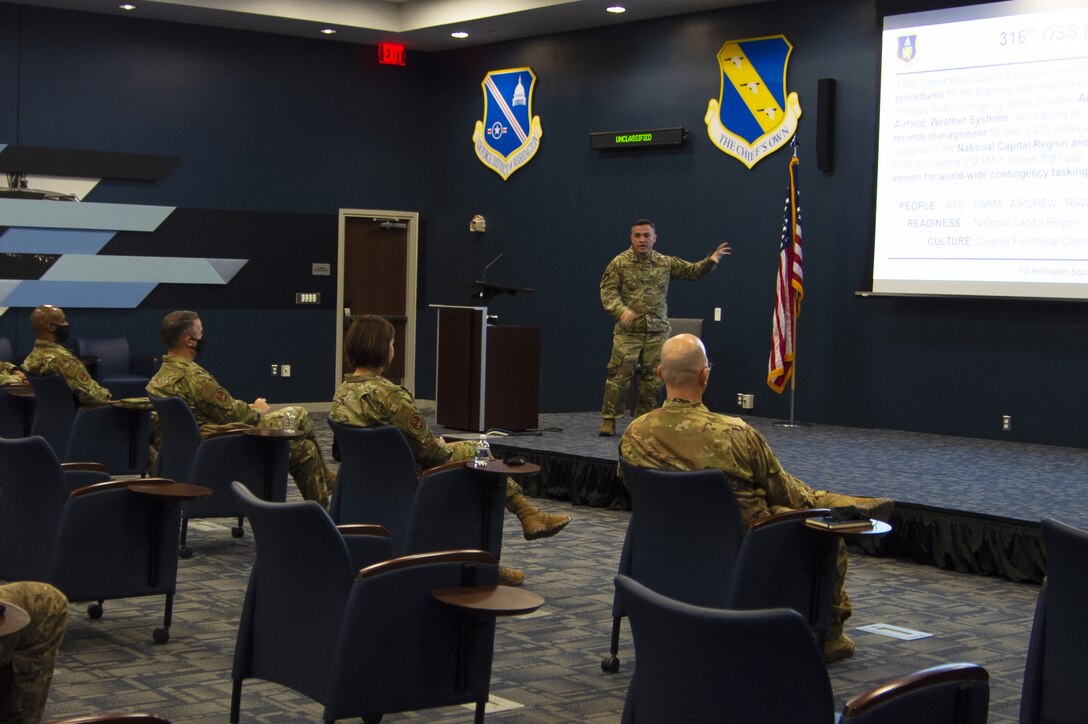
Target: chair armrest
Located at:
point(93, 467)
point(364, 529)
point(418, 559)
point(444, 466)
point(144, 364)
point(789, 515)
point(933, 676)
point(115, 484)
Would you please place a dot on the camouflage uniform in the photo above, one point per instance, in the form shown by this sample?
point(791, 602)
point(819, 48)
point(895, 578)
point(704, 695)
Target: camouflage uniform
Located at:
point(215, 411)
point(685, 435)
point(49, 358)
point(8, 376)
point(630, 283)
point(27, 656)
point(366, 401)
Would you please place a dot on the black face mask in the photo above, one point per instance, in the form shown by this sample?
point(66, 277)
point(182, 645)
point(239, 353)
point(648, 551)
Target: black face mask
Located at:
point(199, 349)
point(62, 332)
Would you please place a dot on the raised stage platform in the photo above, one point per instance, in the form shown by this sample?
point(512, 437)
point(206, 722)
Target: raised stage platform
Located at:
point(961, 503)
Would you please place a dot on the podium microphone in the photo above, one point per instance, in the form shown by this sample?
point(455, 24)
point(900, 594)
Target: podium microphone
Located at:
point(483, 276)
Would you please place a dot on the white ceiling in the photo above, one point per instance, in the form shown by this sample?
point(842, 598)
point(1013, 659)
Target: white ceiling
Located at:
point(419, 24)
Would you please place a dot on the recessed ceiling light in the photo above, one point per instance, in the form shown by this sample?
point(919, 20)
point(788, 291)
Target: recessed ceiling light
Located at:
point(459, 34)
point(328, 31)
point(127, 6)
point(616, 9)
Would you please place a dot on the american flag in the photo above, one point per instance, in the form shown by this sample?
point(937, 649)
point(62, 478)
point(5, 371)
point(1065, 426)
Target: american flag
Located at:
point(789, 290)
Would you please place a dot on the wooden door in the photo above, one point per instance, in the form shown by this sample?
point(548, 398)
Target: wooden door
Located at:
point(378, 276)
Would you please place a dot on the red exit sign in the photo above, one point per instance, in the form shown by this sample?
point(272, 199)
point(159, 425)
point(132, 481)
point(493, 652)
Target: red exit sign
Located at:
point(391, 54)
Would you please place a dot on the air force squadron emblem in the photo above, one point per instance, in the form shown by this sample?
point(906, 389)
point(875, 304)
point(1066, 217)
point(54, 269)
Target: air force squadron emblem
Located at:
point(754, 115)
point(906, 49)
point(509, 135)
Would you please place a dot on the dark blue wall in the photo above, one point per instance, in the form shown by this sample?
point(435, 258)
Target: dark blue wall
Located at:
point(275, 124)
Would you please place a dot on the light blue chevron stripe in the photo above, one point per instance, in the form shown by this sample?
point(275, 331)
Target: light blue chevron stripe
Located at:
point(53, 241)
point(85, 295)
point(164, 269)
point(81, 215)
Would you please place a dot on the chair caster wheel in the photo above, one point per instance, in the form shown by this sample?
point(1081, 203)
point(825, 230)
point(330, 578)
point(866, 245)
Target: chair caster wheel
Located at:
point(237, 531)
point(94, 610)
point(185, 553)
point(161, 635)
point(610, 663)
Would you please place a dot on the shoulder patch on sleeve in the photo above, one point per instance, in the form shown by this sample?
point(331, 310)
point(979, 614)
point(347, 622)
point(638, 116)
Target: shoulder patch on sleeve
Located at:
point(410, 421)
point(216, 394)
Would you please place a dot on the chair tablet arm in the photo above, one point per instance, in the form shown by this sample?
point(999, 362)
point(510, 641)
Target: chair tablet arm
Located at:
point(933, 676)
point(364, 529)
point(92, 467)
point(789, 515)
point(444, 466)
point(114, 484)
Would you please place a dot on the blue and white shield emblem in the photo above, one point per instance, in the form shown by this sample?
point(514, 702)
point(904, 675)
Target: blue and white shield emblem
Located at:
point(906, 47)
point(754, 114)
point(509, 135)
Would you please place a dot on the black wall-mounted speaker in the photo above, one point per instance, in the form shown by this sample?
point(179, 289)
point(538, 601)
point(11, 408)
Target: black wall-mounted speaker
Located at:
point(825, 124)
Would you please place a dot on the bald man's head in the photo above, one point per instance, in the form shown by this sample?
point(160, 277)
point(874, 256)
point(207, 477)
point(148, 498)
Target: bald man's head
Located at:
point(683, 359)
point(48, 323)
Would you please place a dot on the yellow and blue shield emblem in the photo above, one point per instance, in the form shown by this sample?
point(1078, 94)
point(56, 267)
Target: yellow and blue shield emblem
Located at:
point(509, 134)
point(906, 48)
point(754, 114)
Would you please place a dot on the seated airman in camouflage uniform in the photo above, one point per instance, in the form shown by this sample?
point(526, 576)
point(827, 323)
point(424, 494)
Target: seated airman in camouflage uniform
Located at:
point(633, 290)
point(367, 399)
point(28, 655)
point(50, 357)
point(684, 435)
point(215, 410)
point(11, 375)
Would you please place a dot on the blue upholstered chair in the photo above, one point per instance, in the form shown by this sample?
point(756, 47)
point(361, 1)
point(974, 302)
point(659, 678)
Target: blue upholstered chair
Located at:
point(215, 462)
point(782, 563)
point(456, 507)
point(363, 644)
point(54, 413)
point(1056, 667)
point(377, 479)
point(682, 539)
point(685, 541)
point(94, 543)
point(694, 663)
point(115, 368)
point(114, 436)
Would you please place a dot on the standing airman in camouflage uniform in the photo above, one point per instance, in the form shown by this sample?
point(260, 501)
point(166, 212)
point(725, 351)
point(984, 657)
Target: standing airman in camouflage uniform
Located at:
point(11, 375)
point(367, 399)
point(633, 290)
point(684, 435)
point(28, 655)
point(215, 410)
point(49, 357)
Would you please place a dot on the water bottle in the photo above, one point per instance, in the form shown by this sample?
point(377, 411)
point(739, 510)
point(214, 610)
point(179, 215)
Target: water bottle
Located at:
point(483, 453)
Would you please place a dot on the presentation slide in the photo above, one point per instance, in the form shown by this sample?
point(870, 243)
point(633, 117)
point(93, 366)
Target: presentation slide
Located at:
point(982, 179)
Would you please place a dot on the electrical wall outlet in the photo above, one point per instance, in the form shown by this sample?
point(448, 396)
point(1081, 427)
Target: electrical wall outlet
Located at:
point(1006, 423)
point(717, 314)
point(745, 401)
point(285, 370)
point(275, 370)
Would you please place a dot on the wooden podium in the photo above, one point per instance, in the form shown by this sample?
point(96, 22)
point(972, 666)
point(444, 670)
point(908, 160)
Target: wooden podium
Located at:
point(488, 376)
